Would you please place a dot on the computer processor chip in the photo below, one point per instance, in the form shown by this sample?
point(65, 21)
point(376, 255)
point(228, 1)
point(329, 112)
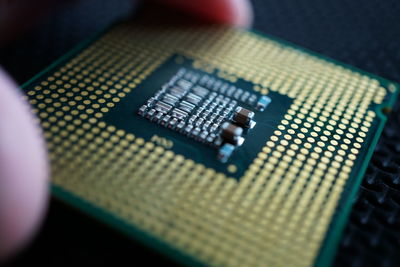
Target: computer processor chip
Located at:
point(214, 145)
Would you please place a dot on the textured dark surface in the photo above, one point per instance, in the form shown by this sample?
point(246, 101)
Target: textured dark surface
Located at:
point(372, 235)
point(365, 34)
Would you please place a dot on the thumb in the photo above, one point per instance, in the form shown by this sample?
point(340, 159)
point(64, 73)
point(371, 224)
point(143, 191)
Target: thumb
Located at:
point(23, 170)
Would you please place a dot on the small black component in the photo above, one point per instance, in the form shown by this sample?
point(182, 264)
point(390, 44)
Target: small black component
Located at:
point(231, 133)
point(243, 117)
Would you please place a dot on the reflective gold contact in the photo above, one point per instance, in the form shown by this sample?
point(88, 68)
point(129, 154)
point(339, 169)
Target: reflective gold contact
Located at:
point(278, 213)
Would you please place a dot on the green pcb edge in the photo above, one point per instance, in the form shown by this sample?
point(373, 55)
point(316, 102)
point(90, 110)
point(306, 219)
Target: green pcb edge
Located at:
point(332, 238)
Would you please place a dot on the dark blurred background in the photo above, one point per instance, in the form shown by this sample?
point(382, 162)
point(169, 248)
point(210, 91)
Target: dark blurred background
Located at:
point(365, 34)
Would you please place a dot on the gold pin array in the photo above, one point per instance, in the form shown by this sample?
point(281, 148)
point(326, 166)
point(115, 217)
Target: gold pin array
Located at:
point(278, 213)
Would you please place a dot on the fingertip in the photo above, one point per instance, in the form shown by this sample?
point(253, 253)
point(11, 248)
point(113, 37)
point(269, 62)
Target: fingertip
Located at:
point(23, 171)
point(237, 13)
point(242, 13)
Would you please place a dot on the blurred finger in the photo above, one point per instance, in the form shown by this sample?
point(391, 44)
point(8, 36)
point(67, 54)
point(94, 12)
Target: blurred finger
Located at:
point(23, 170)
point(235, 12)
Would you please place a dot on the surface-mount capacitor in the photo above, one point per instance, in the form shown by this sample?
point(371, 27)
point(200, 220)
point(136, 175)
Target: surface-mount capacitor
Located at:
point(231, 133)
point(244, 117)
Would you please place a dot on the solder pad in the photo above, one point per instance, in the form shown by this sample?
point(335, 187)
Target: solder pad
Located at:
point(281, 201)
